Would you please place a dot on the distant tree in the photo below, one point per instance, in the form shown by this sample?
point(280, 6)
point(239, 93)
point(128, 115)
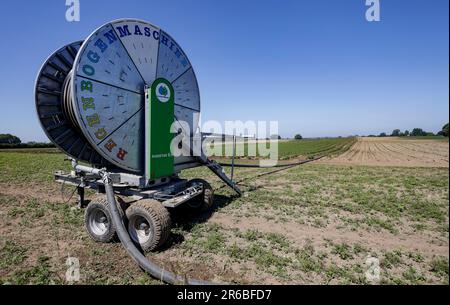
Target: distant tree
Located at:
point(418, 132)
point(440, 133)
point(406, 133)
point(395, 133)
point(298, 137)
point(445, 130)
point(383, 134)
point(9, 139)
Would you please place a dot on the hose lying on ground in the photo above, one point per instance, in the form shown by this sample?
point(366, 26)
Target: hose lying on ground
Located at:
point(280, 167)
point(156, 271)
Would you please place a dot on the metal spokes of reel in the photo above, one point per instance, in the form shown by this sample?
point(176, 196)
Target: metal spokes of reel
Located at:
point(50, 94)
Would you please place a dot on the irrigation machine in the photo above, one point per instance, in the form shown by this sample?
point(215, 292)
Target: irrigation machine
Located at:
point(114, 103)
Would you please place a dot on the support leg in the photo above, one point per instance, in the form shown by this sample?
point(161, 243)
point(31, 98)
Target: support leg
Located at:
point(80, 192)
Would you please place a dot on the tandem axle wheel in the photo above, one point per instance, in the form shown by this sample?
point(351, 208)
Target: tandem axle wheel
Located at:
point(147, 220)
point(149, 224)
point(98, 220)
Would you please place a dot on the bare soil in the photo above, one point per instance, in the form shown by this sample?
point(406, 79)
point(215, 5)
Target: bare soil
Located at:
point(394, 151)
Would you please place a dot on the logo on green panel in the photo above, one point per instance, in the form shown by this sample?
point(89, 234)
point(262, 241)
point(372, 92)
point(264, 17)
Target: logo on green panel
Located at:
point(160, 118)
point(163, 92)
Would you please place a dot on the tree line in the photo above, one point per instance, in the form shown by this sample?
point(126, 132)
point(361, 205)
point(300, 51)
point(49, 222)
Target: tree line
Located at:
point(416, 132)
point(11, 141)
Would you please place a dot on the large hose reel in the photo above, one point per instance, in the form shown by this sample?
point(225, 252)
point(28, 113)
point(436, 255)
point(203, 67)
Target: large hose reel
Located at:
point(90, 95)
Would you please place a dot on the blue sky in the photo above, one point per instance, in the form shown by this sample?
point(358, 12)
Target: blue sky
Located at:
point(316, 66)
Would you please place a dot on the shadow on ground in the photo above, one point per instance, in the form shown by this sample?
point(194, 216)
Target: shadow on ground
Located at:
point(185, 218)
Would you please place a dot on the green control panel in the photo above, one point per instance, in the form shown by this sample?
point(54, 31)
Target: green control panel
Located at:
point(159, 116)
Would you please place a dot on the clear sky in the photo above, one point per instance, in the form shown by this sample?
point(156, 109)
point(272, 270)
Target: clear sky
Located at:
point(316, 66)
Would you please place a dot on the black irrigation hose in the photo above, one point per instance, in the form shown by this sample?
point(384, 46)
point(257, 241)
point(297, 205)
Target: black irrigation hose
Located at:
point(153, 269)
point(280, 167)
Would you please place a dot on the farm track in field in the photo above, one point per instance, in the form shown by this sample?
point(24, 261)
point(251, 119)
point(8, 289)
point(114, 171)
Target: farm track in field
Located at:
point(394, 152)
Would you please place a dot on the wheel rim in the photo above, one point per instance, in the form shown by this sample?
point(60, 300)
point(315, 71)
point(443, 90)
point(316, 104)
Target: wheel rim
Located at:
point(98, 222)
point(140, 229)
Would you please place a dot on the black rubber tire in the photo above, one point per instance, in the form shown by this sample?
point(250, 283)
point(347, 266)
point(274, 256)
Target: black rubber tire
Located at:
point(158, 220)
point(100, 203)
point(205, 200)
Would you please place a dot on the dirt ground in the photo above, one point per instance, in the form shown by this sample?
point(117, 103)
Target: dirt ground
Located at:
point(394, 151)
point(312, 224)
